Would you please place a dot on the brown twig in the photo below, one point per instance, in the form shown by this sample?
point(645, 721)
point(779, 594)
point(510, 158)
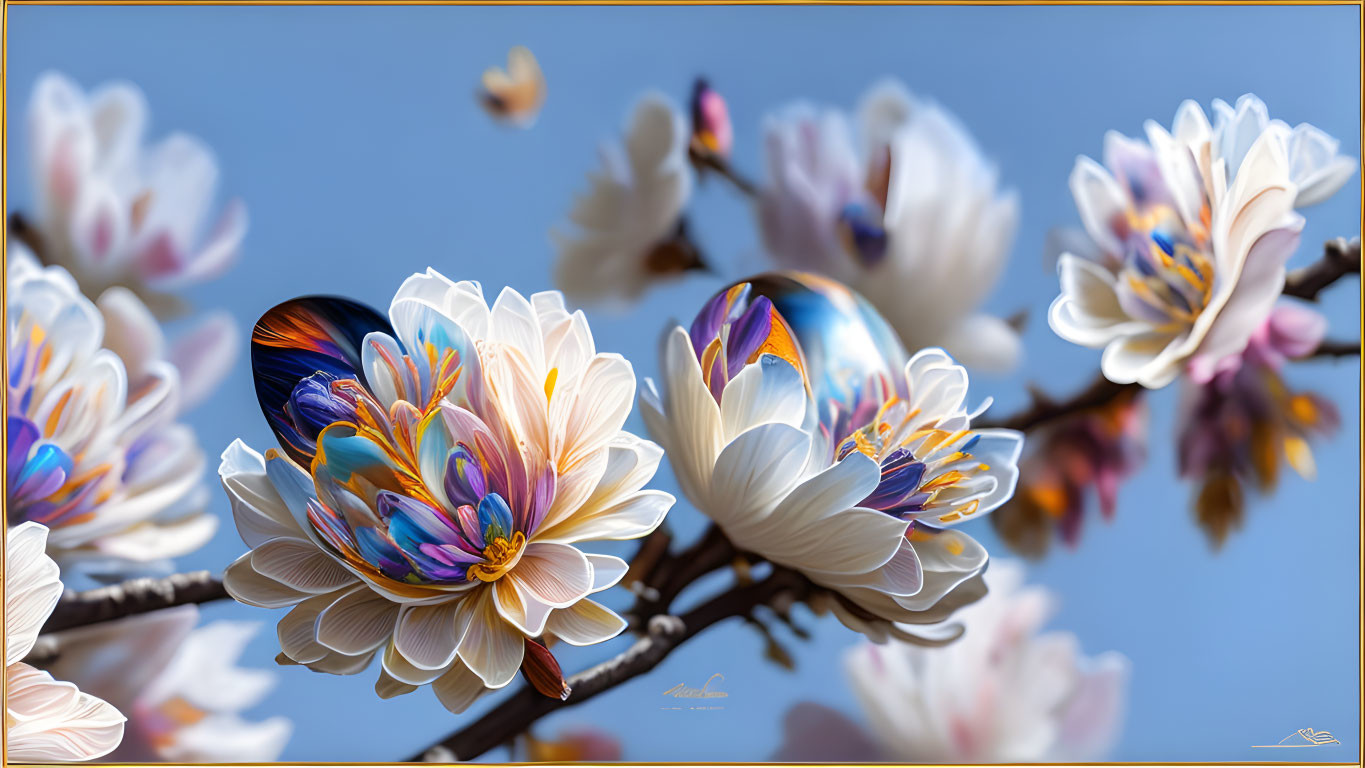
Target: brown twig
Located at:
point(663, 634)
point(77, 609)
point(710, 161)
point(1044, 409)
point(1340, 257)
point(1334, 348)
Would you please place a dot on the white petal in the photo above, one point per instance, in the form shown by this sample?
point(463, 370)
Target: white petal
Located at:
point(358, 622)
point(555, 574)
point(51, 721)
point(247, 586)
point(427, 635)
point(492, 648)
point(300, 565)
point(755, 470)
point(585, 623)
point(770, 390)
point(33, 587)
point(458, 688)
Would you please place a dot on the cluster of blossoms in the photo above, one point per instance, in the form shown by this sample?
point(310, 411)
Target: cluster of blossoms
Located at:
point(1240, 424)
point(794, 420)
point(1186, 238)
point(1005, 693)
point(436, 471)
point(93, 452)
point(1087, 453)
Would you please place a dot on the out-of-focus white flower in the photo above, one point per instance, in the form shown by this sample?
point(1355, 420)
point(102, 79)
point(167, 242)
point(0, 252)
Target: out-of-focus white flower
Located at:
point(627, 227)
point(93, 453)
point(180, 687)
point(1002, 693)
point(1186, 237)
point(916, 222)
point(439, 469)
point(794, 421)
point(117, 213)
point(45, 719)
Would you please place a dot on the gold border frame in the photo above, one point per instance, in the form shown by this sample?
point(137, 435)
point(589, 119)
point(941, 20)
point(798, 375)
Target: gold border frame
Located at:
point(4, 243)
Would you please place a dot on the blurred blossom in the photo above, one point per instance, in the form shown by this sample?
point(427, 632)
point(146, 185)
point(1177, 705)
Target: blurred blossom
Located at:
point(437, 471)
point(514, 95)
point(792, 419)
point(1243, 420)
point(581, 745)
point(628, 228)
point(712, 133)
point(1093, 451)
point(115, 212)
point(1005, 692)
point(178, 685)
point(45, 720)
point(915, 221)
point(1186, 236)
point(93, 452)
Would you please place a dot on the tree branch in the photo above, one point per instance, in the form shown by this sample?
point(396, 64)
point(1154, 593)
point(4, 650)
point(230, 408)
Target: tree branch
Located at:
point(1044, 409)
point(710, 161)
point(77, 609)
point(663, 634)
point(1339, 258)
point(1334, 348)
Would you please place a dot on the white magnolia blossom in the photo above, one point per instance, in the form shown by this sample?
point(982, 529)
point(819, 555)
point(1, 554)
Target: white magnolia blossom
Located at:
point(1004, 692)
point(94, 453)
point(432, 514)
point(114, 211)
point(46, 720)
point(914, 221)
point(179, 686)
point(1186, 237)
point(626, 224)
point(812, 443)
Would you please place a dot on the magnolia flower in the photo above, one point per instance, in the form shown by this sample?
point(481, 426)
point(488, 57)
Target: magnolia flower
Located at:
point(1188, 234)
point(1003, 693)
point(915, 221)
point(793, 420)
point(630, 229)
point(1090, 452)
point(179, 686)
point(92, 451)
point(114, 212)
point(45, 720)
point(1240, 424)
point(437, 471)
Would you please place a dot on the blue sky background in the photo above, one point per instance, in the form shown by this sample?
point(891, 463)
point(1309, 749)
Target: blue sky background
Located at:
point(353, 137)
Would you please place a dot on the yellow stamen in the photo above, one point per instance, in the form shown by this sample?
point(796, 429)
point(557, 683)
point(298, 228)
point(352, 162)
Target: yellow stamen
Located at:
point(501, 555)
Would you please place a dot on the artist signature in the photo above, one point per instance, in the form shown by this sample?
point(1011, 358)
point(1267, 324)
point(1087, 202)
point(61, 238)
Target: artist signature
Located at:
point(1304, 737)
point(706, 691)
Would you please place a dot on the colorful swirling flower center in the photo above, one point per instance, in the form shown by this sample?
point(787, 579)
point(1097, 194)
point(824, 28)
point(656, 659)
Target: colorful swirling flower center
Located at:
point(1167, 272)
point(499, 557)
point(734, 330)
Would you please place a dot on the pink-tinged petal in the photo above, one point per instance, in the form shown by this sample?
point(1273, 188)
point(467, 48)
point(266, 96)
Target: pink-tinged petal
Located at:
point(428, 635)
point(1295, 330)
point(458, 688)
point(247, 586)
point(301, 565)
point(585, 623)
point(131, 331)
point(555, 574)
point(492, 648)
point(205, 355)
point(358, 622)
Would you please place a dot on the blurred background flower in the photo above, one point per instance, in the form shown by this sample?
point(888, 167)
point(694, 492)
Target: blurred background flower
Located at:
point(516, 94)
point(93, 452)
point(45, 720)
point(628, 228)
point(914, 220)
point(1068, 462)
point(1006, 692)
point(1239, 426)
point(573, 745)
point(116, 212)
point(179, 686)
